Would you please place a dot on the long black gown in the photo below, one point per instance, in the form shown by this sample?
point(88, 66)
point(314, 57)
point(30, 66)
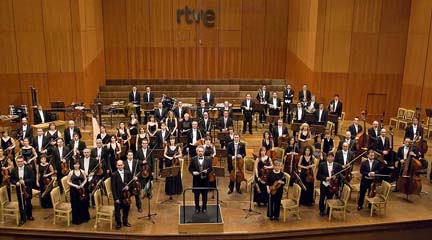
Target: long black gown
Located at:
point(306, 197)
point(51, 137)
point(173, 185)
point(5, 145)
point(273, 209)
point(80, 212)
point(45, 201)
point(261, 196)
point(112, 157)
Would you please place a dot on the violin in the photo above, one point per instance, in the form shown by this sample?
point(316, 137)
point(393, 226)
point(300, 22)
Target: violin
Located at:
point(5, 172)
point(276, 185)
point(99, 170)
point(309, 172)
point(82, 193)
point(65, 165)
point(372, 190)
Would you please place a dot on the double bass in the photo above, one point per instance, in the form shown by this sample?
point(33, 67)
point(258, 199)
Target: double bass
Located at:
point(409, 181)
point(420, 143)
point(237, 175)
point(291, 162)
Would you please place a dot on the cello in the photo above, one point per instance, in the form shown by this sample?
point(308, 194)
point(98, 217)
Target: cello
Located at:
point(409, 181)
point(237, 174)
point(362, 139)
point(291, 162)
point(420, 143)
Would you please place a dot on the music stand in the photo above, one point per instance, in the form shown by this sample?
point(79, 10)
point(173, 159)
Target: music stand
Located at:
point(310, 118)
point(149, 214)
point(295, 127)
point(318, 129)
point(259, 108)
point(147, 108)
point(333, 118)
point(218, 172)
point(238, 117)
point(169, 172)
point(158, 153)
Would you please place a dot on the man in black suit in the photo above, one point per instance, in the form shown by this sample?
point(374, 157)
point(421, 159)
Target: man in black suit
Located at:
point(299, 114)
point(148, 96)
point(347, 139)
point(144, 154)
point(40, 116)
point(193, 136)
point(274, 105)
point(321, 115)
point(40, 143)
point(288, 99)
point(201, 110)
point(374, 132)
point(101, 154)
point(77, 145)
point(247, 107)
point(235, 151)
point(304, 95)
point(25, 131)
point(180, 111)
point(225, 122)
point(355, 128)
point(279, 131)
point(312, 106)
point(226, 107)
point(160, 113)
point(208, 97)
point(382, 146)
point(325, 173)
point(200, 167)
point(344, 156)
point(60, 155)
point(118, 183)
point(414, 130)
point(368, 169)
point(263, 97)
point(134, 98)
point(89, 165)
point(205, 125)
point(131, 165)
point(402, 155)
point(335, 108)
point(69, 132)
point(162, 136)
point(22, 176)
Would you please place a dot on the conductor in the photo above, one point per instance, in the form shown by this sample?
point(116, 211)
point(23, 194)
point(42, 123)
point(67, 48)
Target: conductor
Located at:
point(200, 167)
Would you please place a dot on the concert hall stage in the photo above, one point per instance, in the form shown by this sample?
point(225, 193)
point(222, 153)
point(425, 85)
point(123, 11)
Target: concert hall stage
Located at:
point(404, 219)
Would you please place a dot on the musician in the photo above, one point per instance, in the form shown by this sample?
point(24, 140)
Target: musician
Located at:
point(77, 144)
point(145, 154)
point(152, 126)
point(263, 98)
point(202, 109)
point(344, 156)
point(40, 142)
point(335, 108)
point(171, 123)
point(104, 136)
point(226, 107)
point(382, 146)
point(40, 116)
point(6, 168)
point(123, 135)
point(306, 166)
point(279, 131)
point(321, 115)
point(160, 113)
point(208, 97)
point(172, 155)
point(180, 111)
point(288, 94)
point(70, 131)
point(263, 165)
point(327, 143)
point(200, 167)
point(185, 125)
point(145, 158)
point(312, 106)
point(148, 96)
point(131, 165)
point(118, 183)
point(267, 141)
point(228, 138)
point(225, 122)
point(275, 177)
point(142, 134)
point(325, 174)
point(374, 133)
point(368, 169)
point(274, 105)
point(29, 154)
point(60, 155)
point(101, 154)
point(133, 131)
point(25, 131)
point(8, 145)
point(209, 148)
point(355, 128)
point(414, 131)
point(299, 113)
point(235, 151)
point(52, 134)
point(89, 167)
point(44, 170)
point(305, 133)
point(304, 95)
point(134, 98)
point(162, 136)
point(403, 153)
point(195, 137)
point(348, 139)
point(114, 151)
point(247, 107)
point(205, 124)
point(22, 177)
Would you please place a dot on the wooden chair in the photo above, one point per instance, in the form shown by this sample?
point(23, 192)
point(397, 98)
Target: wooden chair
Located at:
point(8, 208)
point(66, 188)
point(288, 180)
point(355, 184)
point(400, 116)
point(428, 127)
point(279, 153)
point(103, 213)
point(409, 115)
point(249, 171)
point(330, 127)
point(292, 205)
point(339, 204)
point(36, 194)
point(341, 121)
point(379, 202)
point(61, 209)
point(108, 190)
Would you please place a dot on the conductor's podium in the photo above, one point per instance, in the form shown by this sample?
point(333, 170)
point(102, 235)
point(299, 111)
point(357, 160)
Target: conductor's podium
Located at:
point(191, 222)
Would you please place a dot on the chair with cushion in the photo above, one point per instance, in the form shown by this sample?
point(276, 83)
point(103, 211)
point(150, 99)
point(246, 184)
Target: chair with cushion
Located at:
point(8, 208)
point(61, 209)
point(108, 190)
point(66, 188)
point(249, 171)
point(103, 212)
point(339, 204)
point(409, 115)
point(394, 121)
point(379, 202)
point(292, 205)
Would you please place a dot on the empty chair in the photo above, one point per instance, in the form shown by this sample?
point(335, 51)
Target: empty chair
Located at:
point(379, 202)
point(339, 204)
point(61, 209)
point(103, 212)
point(8, 208)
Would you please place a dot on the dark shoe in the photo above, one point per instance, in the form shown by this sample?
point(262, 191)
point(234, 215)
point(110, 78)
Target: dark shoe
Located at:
point(21, 223)
point(127, 224)
point(359, 208)
point(230, 191)
point(197, 211)
point(244, 132)
point(321, 213)
point(140, 210)
point(118, 226)
point(250, 132)
point(277, 219)
point(272, 218)
point(30, 218)
point(204, 210)
point(395, 190)
point(239, 191)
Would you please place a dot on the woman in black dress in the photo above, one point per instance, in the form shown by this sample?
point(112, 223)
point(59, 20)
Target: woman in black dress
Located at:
point(276, 177)
point(114, 151)
point(186, 125)
point(306, 166)
point(106, 138)
point(123, 135)
point(172, 153)
point(133, 131)
point(29, 154)
point(291, 158)
point(80, 203)
point(152, 126)
point(171, 123)
point(44, 173)
point(8, 145)
point(52, 134)
point(6, 168)
point(263, 166)
point(267, 141)
point(142, 134)
point(327, 144)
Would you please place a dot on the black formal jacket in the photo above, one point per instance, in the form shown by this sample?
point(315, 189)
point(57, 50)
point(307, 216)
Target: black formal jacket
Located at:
point(145, 97)
point(222, 110)
point(273, 111)
point(409, 132)
point(45, 141)
point(275, 134)
point(105, 140)
point(200, 111)
point(231, 151)
point(190, 136)
point(38, 118)
point(68, 138)
point(400, 152)
point(324, 116)
point(57, 158)
point(221, 124)
point(308, 95)
point(212, 99)
point(104, 154)
point(117, 184)
point(29, 177)
point(205, 128)
point(266, 96)
point(302, 119)
point(81, 146)
point(288, 96)
point(158, 116)
point(323, 172)
point(339, 108)
point(160, 139)
point(372, 136)
point(351, 145)
point(339, 157)
point(380, 146)
point(251, 107)
point(194, 166)
point(137, 98)
point(140, 156)
point(92, 164)
point(136, 167)
point(353, 131)
point(177, 112)
point(365, 169)
point(28, 133)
